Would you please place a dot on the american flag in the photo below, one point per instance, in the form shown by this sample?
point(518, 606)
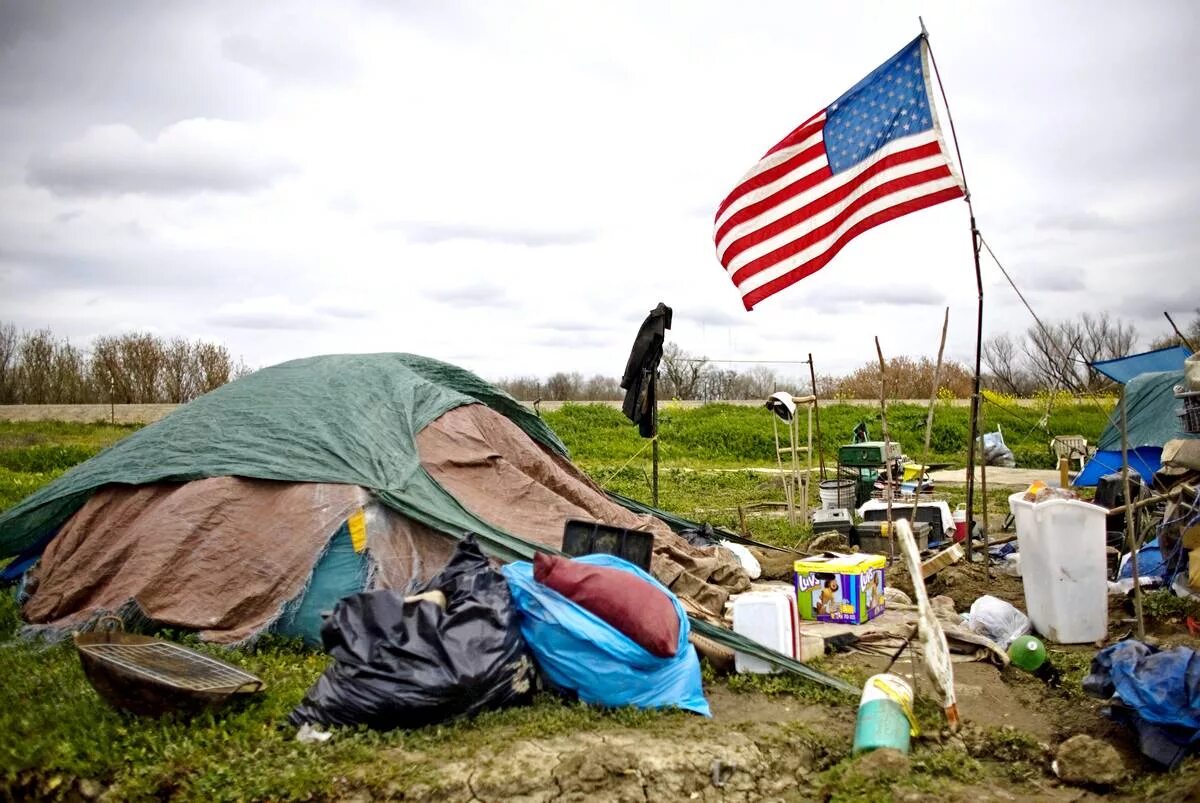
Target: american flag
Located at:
point(871, 156)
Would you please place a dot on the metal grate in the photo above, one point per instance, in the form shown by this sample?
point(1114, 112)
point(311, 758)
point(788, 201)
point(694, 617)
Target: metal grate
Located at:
point(173, 665)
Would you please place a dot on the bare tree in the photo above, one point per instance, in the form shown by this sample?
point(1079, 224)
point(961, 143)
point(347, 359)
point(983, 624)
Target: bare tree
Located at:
point(9, 343)
point(179, 371)
point(214, 367)
point(682, 372)
point(1005, 361)
point(564, 387)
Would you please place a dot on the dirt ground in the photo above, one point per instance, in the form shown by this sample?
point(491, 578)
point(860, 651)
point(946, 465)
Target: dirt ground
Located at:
point(762, 746)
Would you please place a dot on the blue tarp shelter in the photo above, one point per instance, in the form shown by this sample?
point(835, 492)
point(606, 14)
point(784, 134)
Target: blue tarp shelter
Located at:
point(1150, 414)
point(1123, 369)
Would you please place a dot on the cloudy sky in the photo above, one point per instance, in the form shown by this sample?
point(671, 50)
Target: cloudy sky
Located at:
point(512, 186)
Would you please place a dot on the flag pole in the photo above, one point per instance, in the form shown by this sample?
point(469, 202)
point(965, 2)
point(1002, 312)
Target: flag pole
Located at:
point(975, 246)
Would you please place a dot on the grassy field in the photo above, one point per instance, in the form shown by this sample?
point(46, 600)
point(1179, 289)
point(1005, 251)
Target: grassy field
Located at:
point(732, 436)
point(61, 742)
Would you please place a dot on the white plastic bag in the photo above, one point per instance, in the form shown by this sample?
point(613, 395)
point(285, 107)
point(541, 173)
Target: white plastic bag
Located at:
point(994, 618)
point(744, 557)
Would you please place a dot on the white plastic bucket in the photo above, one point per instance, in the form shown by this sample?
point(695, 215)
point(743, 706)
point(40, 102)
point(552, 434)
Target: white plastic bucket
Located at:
point(771, 619)
point(836, 494)
point(1063, 567)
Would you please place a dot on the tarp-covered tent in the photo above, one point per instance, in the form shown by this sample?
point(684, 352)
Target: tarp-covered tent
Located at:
point(259, 504)
point(1151, 420)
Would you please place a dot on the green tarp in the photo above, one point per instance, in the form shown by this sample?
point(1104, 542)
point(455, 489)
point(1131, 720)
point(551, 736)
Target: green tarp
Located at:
point(338, 418)
point(1151, 413)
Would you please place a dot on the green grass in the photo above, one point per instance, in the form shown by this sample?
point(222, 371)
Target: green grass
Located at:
point(32, 453)
point(733, 436)
point(59, 734)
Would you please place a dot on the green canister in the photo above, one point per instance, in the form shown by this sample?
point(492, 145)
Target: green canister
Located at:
point(885, 718)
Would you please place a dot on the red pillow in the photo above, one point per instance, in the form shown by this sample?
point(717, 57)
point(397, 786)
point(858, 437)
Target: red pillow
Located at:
point(627, 602)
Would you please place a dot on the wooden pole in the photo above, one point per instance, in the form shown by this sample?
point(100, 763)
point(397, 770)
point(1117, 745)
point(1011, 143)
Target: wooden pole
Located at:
point(783, 477)
point(987, 557)
point(937, 378)
point(1173, 326)
point(654, 453)
point(1134, 543)
point(812, 375)
point(887, 494)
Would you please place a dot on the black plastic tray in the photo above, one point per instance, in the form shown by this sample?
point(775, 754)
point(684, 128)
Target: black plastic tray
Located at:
point(591, 538)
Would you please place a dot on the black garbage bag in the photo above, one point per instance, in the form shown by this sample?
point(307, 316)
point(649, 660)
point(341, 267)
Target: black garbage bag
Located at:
point(399, 664)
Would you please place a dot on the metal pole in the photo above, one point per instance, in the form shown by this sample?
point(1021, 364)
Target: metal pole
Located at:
point(975, 388)
point(975, 240)
point(812, 375)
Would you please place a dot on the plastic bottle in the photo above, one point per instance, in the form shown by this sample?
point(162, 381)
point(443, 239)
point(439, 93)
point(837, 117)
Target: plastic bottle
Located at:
point(1027, 652)
point(885, 717)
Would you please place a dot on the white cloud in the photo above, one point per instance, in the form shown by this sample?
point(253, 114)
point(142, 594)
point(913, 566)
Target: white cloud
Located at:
point(514, 186)
point(187, 157)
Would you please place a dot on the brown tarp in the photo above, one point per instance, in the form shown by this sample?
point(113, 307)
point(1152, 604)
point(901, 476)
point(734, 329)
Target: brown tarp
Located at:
point(220, 555)
point(224, 555)
point(505, 478)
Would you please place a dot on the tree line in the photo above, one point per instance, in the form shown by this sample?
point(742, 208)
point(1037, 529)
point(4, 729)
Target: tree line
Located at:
point(1054, 358)
point(1058, 356)
point(36, 367)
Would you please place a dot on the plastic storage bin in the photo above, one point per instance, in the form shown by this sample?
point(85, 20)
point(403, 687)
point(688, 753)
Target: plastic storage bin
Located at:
point(874, 537)
point(768, 617)
point(835, 520)
point(1063, 567)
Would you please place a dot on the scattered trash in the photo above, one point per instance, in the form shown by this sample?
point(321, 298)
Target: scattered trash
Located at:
point(744, 557)
point(885, 716)
point(947, 557)
point(404, 664)
point(768, 617)
point(1063, 569)
point(1157, 692)
point(998, 620)
point(636, 608)
point(310, 734)
point(152, 677)
point(1027, 652)
point(579, 652)
point(995, 452)
point(840, 588)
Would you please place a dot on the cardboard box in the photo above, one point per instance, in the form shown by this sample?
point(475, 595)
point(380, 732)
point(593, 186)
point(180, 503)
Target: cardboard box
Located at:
point(840, 588)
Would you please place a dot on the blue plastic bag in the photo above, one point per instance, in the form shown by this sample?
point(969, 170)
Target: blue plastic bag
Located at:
point(579, 651)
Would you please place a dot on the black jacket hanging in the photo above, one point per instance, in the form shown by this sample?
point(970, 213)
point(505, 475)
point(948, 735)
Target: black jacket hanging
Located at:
point(642, 369)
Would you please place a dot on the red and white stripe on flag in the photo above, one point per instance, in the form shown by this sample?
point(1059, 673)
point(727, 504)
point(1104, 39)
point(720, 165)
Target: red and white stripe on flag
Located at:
point(873, 155)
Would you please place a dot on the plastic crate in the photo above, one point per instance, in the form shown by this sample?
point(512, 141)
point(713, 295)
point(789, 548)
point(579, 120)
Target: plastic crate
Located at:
point(870, 538)
point(1189, 419)
point(591, 538)
point(869, 454)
